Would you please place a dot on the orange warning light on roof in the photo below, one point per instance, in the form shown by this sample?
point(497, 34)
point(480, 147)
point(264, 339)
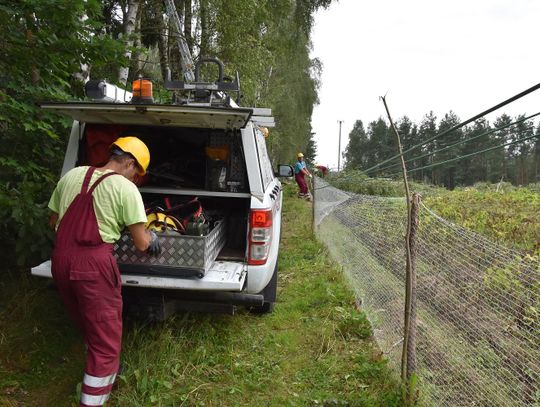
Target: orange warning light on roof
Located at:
point(142, 91)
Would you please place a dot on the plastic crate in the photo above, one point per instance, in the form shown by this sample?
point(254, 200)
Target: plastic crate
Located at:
point(181, 255)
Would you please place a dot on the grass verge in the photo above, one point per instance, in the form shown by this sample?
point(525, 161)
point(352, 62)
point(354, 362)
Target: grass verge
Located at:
point(314, 349)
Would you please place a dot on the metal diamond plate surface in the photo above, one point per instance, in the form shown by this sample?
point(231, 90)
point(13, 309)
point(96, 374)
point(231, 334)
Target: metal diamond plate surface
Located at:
point(178, 251)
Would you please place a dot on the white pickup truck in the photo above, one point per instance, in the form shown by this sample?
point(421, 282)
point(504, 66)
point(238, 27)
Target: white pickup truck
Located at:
point(214, 154)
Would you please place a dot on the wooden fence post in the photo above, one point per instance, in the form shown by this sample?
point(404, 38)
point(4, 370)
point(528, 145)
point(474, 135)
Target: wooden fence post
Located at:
point(411, 345)
point(313, 227)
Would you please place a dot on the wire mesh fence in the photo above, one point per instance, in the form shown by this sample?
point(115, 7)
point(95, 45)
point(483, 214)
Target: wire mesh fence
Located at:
point(478, 303)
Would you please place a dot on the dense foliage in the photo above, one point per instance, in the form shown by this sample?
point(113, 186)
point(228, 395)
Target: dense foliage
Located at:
point(48, 48)
point(517, 163)
point(42, 44)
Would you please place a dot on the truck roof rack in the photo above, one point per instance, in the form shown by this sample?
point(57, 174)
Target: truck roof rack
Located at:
point(204, 93)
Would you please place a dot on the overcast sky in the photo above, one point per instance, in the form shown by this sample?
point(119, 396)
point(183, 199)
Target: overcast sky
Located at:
point(460, 55)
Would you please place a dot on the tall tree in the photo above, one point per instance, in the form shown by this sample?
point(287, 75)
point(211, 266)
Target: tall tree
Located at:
point(311, 150)
point(356, 151)
point(408, 132)
point(474, 168)
point(535, 170)
point(501, 158)
point(520, 151)
point(381, 144)
point(130, 10)
point(446, 174)
point(427, 130)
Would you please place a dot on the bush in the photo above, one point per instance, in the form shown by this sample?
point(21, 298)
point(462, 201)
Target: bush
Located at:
point(26, 237)
point(359, 183)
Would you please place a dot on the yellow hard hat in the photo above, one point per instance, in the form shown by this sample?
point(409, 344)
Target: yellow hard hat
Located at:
point(159, 222)
point(264, 131)
point(137, 149)
point(299, 155)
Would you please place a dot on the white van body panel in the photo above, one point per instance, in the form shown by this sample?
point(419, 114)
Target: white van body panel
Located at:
point(252, 163)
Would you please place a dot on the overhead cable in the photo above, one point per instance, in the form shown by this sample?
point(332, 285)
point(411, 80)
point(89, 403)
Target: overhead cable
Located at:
point(459, 125)
point(461, 142)
point(468, 155)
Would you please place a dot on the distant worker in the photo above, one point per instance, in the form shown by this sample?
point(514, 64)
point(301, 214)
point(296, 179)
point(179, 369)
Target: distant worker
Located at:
point(300, 170)
point(323, 170)
point(90, 208)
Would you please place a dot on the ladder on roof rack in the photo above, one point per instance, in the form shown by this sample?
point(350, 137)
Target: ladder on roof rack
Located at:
point(185, 55)
point(202, 93)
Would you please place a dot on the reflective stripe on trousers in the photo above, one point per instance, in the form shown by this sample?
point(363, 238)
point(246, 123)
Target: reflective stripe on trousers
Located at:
point(89, 400)
point(96, 390)
point(94, 381)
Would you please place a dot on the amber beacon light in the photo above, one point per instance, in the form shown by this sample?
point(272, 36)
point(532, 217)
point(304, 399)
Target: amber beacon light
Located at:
point(142, 91)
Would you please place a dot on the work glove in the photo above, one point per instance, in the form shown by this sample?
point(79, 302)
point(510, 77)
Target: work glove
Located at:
point(155, 247)
point(310, 176)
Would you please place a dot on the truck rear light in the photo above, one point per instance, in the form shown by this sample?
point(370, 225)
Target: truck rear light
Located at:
point(259, 253)
point(261, 218)
point(260, 236)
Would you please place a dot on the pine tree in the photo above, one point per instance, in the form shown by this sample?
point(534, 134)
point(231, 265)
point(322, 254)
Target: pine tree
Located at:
point(446, 174)
point(427, 130)
point(356, 151)
point(500, 157)
point(381, 143)
point(408, 132)
point(475, 168)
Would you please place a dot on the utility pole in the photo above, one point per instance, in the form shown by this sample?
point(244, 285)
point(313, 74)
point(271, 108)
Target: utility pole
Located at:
point(339, 146)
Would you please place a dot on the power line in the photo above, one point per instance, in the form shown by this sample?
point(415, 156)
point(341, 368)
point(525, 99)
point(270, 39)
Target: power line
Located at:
point(461, 142)
point(459, 125)
point(468, 155)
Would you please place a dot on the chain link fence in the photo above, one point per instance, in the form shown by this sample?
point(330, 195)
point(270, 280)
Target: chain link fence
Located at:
point(478, 303)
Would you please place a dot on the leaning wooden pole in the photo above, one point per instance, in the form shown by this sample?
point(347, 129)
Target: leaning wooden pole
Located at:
point(407, 311)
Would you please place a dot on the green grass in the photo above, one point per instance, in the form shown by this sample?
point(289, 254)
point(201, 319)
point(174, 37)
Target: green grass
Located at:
point(315, 349)
point(510, 217)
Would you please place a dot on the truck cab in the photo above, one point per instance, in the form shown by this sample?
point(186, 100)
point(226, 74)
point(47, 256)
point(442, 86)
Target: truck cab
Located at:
point(213, 154)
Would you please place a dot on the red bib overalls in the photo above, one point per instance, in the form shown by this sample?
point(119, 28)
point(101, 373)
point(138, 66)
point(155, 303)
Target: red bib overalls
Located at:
point(89, 283)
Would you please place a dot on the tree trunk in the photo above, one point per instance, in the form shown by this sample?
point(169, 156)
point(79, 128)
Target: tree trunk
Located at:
point(129, 27)
point(188, 15)
point(137, 57)
point(31, 42)
point(205, 36)
point(162, 41)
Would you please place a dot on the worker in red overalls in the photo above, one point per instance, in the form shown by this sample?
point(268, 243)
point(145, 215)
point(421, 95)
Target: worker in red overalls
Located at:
point(90, 208)
point(300, 170)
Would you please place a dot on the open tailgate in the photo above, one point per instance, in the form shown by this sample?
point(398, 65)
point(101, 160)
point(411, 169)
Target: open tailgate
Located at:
point(222, 276)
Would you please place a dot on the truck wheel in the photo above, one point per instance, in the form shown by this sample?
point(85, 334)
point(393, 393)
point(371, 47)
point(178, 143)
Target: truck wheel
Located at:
point(270, 294)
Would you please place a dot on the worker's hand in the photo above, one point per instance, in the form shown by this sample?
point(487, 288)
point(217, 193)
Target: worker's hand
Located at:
point(310, 176)
point(155, 247)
